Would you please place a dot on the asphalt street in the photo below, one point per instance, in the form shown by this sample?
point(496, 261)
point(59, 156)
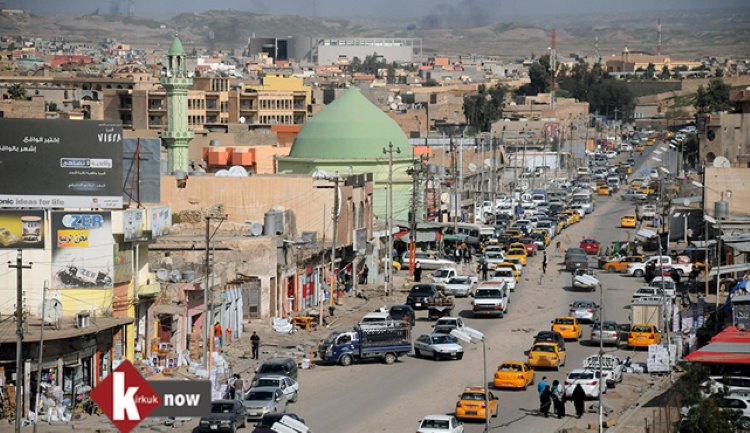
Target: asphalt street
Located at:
point(374, 397)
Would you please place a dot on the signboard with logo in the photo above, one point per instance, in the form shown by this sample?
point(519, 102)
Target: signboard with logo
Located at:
point(360, 239)
point(161, 221)
point(77, 163)
point(134, 221)
point(21, 229)
point(82, 250)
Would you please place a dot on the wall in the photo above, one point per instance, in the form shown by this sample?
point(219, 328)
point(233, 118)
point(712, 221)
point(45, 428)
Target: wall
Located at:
point(29, 109)
point(736, 180)
point(732, 138)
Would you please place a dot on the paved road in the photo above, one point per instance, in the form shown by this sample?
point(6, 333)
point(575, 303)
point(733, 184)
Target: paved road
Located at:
point(380, 398)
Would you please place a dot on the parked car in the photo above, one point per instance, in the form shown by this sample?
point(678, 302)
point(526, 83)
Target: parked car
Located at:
point(262, 400)
point(445, 325)
point(428, 261)
point(725, 384)
point(225, 416)
point(403, 312)
point(438, 346)
point(611, 334)
point(440, 424)
point(621, 264)
point(461, 286)
point(647, 292)
point(277, 366)
point(589, 381)
point(550, 337)
point(378, 318)
point(665, 284)
point(420, 295)
point(288, 386)
point(584, 311)
point(269, 419)
point(643, 335)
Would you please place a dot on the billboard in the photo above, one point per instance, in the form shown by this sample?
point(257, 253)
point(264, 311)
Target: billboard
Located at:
point(77, 163)
point(21, 229)
point(134, 221)
point(146, 168)
point(161, 221)
point(82, 250)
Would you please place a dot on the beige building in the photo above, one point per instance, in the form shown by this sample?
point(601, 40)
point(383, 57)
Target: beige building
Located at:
point(633, 61)
point(727, 134)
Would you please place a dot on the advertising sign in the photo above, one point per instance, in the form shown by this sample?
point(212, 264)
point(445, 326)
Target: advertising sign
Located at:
point(135, 225)
point(161, 221)
point(21, 229)
point(360, 239)
point(82, 250)
point(76, 163)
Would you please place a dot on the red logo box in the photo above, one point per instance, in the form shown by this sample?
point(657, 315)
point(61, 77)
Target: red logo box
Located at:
point(126, 397)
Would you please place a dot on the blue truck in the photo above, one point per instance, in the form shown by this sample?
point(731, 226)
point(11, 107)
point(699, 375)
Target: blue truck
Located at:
point(387, 343)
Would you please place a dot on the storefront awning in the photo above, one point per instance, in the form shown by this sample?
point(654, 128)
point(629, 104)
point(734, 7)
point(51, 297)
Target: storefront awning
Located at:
point(421, 237)
point(729, 269)
point(729, 346)
point(66, 329)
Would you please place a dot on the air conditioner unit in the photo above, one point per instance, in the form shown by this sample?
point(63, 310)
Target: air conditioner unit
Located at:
point(83, 319)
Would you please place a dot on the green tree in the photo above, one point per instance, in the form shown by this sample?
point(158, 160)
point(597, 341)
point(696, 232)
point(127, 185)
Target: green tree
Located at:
point(16, 91)
point(650, 71)
point(719, 73)
point(539, 76)
point(707, 416)
point(485, 107)
point(664, 73)
point(713, 98)
point(604, 94)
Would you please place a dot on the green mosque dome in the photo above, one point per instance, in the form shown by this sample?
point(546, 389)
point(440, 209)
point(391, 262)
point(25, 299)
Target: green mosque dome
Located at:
point(351, 127)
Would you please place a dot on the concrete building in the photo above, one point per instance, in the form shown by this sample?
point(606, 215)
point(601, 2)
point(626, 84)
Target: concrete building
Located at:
point(631, 61)
point(727, 134)
point(332, 51)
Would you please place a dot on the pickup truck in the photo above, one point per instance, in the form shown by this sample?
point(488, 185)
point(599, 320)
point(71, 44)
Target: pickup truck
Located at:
point(611, 368)
point(638, 269)
point(345, 346)
point(490, 299)
point(506, 275)
point(442, 275)
point(647, 212)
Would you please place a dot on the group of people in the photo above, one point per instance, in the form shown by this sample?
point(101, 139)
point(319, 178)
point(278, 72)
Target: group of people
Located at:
point(462, 253)
point(554, 396)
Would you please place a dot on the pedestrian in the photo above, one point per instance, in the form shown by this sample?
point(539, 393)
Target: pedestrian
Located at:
point(255, 342)
point(579, 395)
point(458, 255)
point(363, 274)
point(485, 269)
point(545, 401)
point(231, 390)
point(217, 335)
point(417, 272)
point(541, 385)
point(558, 398)
point(239, 387)
point(467, 255)
point(544, 263)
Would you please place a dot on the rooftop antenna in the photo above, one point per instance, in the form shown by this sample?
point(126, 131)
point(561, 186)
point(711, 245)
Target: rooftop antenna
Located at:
point(597, 56)
point(658, 36)
point(315, 8)
point(553, 68)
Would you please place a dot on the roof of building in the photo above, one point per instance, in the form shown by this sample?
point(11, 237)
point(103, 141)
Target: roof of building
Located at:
point(351, 127)
point(176, 48)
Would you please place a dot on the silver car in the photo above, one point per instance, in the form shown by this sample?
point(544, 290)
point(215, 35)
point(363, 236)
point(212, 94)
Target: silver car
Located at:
point(262, 400)
point(438, 346)
point(611, 333)
point(460, 286)
point(584, 311)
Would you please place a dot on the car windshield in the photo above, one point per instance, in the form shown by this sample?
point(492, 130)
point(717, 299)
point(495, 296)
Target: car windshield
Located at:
point(422, 290)
point(641, 329)
point(504, 273)
point(473, 396)
point(563, 321)
point(444, 339)
point(222, 408)
point(494, 255)
point(487, 294)
point(543, 348)
point(259, 395)
point(581, 305)
point(459, 280)
point(584, 375)
point(510, 367)
point(272, 368)
point(267, 382)
point(440, 424)
point(442, 273)
point(606, 326)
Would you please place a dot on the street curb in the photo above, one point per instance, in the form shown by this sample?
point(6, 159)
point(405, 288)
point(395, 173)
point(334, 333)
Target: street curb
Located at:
point(656, 388)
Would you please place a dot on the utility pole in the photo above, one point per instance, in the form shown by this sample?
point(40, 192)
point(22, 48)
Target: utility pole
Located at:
point(335, 229)
point(19, 267)
point(207, 302)
point(41, 355)
point(493, 178)
point(601, 356)
point(415, 171)
point(454, 193)
point(389, 223)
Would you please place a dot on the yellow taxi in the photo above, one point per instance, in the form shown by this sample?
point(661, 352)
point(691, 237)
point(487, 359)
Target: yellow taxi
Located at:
point(514, 374)
point(471, 404)
point(517, 253)
point(514, 234)
point(568, 327)
point(546, 354)
point(574, 215)
point(648, 189)
point(563, 221)
point(512, 266)
point(628, 221)
point(603, 190)
point(639, 148)
point(621, 264)
point(650, 142)
point(544, 232)
point(643, 335)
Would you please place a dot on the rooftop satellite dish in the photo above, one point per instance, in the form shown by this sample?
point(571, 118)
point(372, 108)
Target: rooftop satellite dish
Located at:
point(445, 198)
point(472, 167)
point(174, 276)
point(243, 119)
point(721, 162)
point(394, 106)
point(162, 274)
point(52, 311)
point(256, 229)
point(222, 173)
point(488, 163)
point(237, 171)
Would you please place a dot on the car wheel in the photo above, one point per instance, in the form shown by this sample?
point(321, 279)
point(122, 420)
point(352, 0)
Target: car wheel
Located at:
point(389, 358)
point(745, 423)
point(611, 269)
point(234, 428)
point(294, 397)
point(460, 356)
point(346, 360)
point(497, 409)
point(638, 273)
point(435, 356)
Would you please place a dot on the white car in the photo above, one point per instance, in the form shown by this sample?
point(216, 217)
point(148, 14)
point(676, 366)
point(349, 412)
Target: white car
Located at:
point(589, 381)
point(440, 424)
point(461, 285)
point(445, 325)
point(667, 284)
point(437, 346)
point(647, 292)
point(610, 154)
point(611, 368)
point(288, 386)
point(728, 385)
point(442, 275)
point(505, 274)
point(427, 261)
point(493, 257)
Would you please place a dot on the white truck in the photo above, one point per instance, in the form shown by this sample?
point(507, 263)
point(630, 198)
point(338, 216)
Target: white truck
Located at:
point(611, 368)
point(442, 275)
point(638, 269)
point(490, 299)
point(506, 275)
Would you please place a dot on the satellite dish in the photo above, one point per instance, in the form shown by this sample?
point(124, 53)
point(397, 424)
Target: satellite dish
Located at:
point(162, 274)
point(445, 198)
point(175, 276)
point(721, 162)
point(243, 119)
point(52, 311)
point(256, 229)
point(237, 171)
point(488, 163)
point(222, 173)
point(394, 106)
point(472, 167)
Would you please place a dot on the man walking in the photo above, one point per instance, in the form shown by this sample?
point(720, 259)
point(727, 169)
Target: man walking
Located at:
point(485, 269)
point(217, 335)
point(417, 272)
point(544, 263)
point(255, 341)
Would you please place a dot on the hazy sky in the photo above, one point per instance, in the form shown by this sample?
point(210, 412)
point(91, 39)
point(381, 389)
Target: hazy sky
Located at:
point(499, 9)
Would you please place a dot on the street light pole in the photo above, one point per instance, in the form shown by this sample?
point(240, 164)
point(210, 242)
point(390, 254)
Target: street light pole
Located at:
point(486, 387)
point(389, 217)
point(601, 356)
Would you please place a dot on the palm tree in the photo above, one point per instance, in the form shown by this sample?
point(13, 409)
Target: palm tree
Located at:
point(16, 91)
